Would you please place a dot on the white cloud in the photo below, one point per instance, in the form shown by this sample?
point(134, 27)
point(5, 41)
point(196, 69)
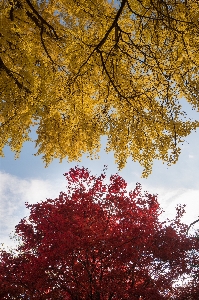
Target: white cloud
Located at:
point(170, 198)
point(14, 192)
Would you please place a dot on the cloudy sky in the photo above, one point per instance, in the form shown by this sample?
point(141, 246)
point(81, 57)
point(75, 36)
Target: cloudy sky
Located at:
point(26, 179)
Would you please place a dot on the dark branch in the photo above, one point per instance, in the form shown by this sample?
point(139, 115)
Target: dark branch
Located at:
point(43, 21)
point(44, 46)
point(110, 79)
point(114, 24)
point(10, 74)
point(192, 224)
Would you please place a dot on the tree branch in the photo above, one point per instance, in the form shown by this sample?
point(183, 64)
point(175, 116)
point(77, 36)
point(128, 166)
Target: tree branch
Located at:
point(43, 21)
point(100, 44)
point(10, 74)
point(114, 24)
point(192, 224)
point(44, 46)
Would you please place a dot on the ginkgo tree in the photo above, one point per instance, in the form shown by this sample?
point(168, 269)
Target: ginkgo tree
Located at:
point(81, 69)
point(98, 242)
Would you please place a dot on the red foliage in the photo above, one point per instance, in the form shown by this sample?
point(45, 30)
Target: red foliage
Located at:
point(96, 242)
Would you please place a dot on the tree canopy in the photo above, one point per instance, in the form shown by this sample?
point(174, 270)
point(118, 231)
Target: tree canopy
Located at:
point(81, 69)
point(96, 242)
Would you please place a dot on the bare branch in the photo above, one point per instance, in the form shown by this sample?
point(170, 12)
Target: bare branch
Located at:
point(192, 224)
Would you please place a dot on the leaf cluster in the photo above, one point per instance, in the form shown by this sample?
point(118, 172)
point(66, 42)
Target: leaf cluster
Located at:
point(83, 69)
point(96, 242)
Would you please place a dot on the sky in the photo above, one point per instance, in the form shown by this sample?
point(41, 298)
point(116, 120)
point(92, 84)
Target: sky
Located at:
point(27, 180)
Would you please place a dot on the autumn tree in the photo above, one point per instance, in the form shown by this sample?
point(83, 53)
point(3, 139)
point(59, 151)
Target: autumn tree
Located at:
point(96, 242)
point(80, 69)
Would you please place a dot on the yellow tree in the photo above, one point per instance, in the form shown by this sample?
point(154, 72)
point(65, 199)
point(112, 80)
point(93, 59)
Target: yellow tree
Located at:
point(80, 69)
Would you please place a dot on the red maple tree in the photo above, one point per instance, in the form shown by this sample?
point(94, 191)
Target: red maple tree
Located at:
point(96, 242)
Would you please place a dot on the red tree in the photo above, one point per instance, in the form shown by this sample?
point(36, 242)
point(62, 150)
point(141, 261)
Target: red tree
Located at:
point(96, 242)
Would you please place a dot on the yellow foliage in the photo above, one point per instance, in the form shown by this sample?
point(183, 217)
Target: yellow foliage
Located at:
point(80, 69)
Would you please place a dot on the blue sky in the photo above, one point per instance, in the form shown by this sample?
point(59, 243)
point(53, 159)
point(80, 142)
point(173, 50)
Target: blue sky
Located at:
point(26, 179)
